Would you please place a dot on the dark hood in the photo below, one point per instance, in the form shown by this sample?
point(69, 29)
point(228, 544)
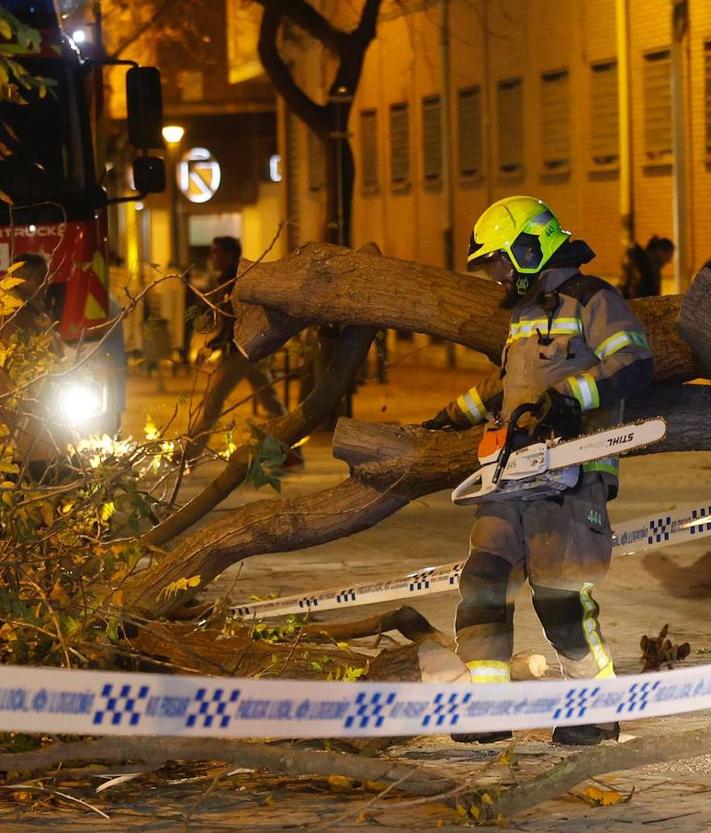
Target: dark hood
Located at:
point(573, 253)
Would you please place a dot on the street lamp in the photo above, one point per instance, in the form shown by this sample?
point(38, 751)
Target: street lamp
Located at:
point(173, 136)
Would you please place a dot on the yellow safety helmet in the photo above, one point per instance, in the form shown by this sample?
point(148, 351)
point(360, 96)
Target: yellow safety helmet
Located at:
point(524, 228)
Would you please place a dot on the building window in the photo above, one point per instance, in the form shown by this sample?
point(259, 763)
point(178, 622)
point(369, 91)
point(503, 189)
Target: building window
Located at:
point(432, 139)
point(509, 101)
point(369, 150)
point(657, 106)
point(604, 115)
point(400, 145)
point(316, 158)
point(470, 129)
point(707, 95)
point(555, 121)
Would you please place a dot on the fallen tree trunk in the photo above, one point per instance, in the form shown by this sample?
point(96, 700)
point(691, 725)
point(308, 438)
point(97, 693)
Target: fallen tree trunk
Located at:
point(327, 284)
point(414, 462)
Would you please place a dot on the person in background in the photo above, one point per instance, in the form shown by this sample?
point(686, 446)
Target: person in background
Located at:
point(225, 254)
point(642, 267)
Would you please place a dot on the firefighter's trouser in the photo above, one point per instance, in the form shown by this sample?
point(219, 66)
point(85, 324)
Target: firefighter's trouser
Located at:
point(232, 368)
point(562, 546)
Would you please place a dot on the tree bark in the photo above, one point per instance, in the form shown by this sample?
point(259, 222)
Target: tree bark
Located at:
point(328, 284)
point(416, 462)
point(694, 318)
point(262, 330)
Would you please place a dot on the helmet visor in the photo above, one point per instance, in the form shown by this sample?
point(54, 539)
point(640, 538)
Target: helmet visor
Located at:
point(496, 266)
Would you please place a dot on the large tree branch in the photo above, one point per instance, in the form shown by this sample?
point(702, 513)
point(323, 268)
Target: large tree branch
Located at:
point(323, 283)
point(350, 352)
point(314, 115)
point(417, 780)
point(413, 780)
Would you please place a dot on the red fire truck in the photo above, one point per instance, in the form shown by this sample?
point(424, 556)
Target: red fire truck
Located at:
point(52, 169)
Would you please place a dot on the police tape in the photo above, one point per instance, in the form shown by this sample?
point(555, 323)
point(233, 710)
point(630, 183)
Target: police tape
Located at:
point(54, 700)
point(640, 534)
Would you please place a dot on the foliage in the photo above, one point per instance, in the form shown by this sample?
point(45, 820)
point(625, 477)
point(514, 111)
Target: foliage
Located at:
point(15, 80)
point(62, 503)
point(267, 454)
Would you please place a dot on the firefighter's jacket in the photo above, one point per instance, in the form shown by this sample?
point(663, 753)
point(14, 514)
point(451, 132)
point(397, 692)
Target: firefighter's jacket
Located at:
point(575, 333)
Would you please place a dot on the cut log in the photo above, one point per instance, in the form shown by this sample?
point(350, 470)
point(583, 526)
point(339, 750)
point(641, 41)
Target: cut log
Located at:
point(431, 460)
point(694, 318)
point(329, 284)
point(528, 666)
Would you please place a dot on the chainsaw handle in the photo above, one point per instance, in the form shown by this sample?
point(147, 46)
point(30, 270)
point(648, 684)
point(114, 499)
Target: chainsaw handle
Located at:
point(521, 410)
point(516, 414)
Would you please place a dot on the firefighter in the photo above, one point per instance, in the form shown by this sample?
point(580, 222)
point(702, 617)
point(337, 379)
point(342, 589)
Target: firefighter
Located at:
point(576, 350)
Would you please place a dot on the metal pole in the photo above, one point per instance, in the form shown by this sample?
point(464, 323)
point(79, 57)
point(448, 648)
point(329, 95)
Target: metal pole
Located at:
point(448, 192)
point(173, 197)
point(680, 27)
point(625, 125)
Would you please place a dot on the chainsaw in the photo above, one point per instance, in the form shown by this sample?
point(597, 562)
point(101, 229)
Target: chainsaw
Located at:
point(513, 466)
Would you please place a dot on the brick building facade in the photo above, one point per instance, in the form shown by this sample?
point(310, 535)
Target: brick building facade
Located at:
point(518, 98)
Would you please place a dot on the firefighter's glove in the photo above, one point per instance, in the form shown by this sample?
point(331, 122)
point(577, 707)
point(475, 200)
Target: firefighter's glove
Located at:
point(558, 415)
point(443, 421)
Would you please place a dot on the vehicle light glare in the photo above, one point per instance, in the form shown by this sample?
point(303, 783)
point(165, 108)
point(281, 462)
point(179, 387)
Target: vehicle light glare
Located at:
point(79, 402)
point(79, 36)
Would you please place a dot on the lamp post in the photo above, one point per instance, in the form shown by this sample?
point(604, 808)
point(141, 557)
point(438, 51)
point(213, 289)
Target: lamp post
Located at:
point(173, 136)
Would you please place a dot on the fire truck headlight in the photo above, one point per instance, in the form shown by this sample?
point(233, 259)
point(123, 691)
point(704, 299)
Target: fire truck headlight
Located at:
point(79, 402)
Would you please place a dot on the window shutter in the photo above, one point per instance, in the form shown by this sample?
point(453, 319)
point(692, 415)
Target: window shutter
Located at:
point(316, 161)
point(510, 125)
point(470, 145)
point(707, 96)
point(369, 150)
point(399, 144)
point(555, 120)
point(657, 106)
point(604, 114)
point(432, 139)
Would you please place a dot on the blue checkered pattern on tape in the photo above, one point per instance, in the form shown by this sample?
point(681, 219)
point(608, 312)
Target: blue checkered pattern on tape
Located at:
point(211, 708)
point(637, 698)
point(419, 581)
point(704, 512)
point(577, 701)
point(447, 709)
point(369, 710)
point(123, 705)
point(659, 530)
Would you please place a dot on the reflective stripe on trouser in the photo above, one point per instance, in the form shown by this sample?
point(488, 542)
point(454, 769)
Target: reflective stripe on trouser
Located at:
point(489, 671)
point(570, 622)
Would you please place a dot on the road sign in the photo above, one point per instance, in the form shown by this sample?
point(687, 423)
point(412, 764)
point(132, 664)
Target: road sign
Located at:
point(198, 175)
